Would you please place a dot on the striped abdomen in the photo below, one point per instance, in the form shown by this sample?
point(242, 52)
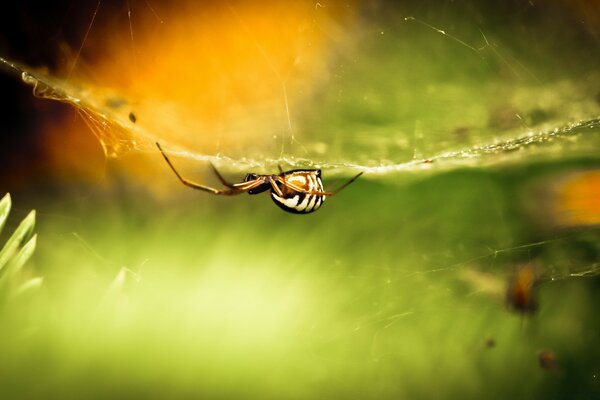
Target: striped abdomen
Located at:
point(298, 202)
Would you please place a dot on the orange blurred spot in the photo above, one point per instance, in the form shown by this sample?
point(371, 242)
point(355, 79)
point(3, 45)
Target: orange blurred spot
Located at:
point(577, 199)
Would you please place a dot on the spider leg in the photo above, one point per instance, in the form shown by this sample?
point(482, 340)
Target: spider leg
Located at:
point(221, 179)
point(273, 183)
point(245, 186)
point(279, 168)
point(233, 191)
point(301, 190)
point(345, 184)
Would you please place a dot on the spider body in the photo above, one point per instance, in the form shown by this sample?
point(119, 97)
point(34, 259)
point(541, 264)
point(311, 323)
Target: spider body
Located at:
point(292, 200)
point(298, 191)
point(300, 202)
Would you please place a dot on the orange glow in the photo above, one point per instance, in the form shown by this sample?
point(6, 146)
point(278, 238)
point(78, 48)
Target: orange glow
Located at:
point(232, 78)
point(76, 146)
point(222, 77)
point(578, 199)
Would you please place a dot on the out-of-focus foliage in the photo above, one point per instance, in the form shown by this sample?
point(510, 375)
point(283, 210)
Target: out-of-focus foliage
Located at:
point(477, 126)
point(15, 253)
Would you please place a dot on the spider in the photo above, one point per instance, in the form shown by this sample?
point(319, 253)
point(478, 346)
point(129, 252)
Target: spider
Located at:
point(299, 191)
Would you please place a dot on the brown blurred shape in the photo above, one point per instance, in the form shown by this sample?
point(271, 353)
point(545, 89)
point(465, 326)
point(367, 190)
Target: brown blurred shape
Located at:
point(547, 360)
point(521, 294)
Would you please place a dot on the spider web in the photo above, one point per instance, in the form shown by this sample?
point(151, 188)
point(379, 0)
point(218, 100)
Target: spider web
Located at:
point(553, 121)
point(557, 119)
point(110, 118)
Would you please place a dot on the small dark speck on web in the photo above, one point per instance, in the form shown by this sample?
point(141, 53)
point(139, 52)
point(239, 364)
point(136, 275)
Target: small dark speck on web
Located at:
point(490, 343)
point(132, 117)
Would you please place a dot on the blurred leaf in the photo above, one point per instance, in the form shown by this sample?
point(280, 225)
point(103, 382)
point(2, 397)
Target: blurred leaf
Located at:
point(16, 263)
point(29, 285)
point(16, 252)
point(4, 210)
point(20, 236)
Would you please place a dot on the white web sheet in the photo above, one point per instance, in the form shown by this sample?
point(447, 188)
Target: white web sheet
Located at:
point(112, 119)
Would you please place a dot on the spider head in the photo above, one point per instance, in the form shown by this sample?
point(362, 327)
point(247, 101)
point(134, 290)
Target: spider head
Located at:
point(259, 189)
point(250, 177)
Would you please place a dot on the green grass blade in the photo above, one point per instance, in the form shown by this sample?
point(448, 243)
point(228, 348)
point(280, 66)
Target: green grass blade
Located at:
point(16, 263)
point(22, 256)
point(21, 235)
point(5, 204)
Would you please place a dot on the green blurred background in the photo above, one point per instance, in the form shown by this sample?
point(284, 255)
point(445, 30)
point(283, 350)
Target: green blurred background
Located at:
point(394, 289)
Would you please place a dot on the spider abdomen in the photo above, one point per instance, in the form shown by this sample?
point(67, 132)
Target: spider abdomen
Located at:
point(298, 203)
point(303, 200)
